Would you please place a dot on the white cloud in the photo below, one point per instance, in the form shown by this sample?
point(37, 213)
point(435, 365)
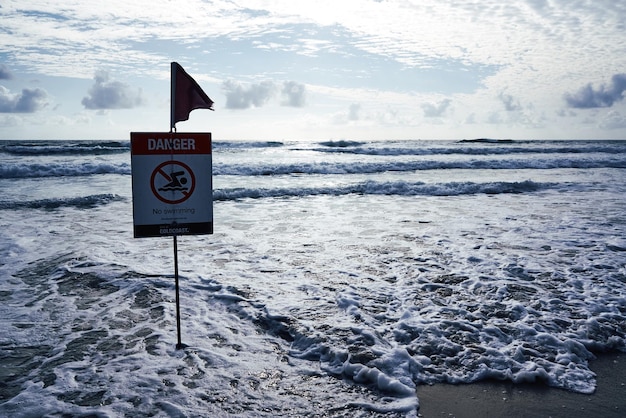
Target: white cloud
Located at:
point(28, 101)
point(10, 121)
point(436, 110)
point(604, 96)
point(240, 96)
point(294, 94)
point(510, 103)
point(245, 96)
point(613, 120)
point(110, 94)
point(5, 74)
point(352, 115)
point(354, 112)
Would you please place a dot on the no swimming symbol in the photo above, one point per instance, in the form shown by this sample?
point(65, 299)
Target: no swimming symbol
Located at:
point(172, 182)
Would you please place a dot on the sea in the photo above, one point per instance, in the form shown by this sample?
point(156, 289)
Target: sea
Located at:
point(340, 277)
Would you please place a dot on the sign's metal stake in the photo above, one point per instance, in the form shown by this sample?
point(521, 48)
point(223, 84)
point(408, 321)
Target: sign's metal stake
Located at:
point(179, 345)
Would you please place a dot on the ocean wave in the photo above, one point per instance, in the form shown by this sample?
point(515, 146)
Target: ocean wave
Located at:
point(341, 144)
point(419, 165)
point(397, 188)
point(487, 141)
point(400, 188)
point(75, 169)
point(471, 148)
point(389, 148)
point(61, 169)
point(86, 148)
point(60, 147)
point(82, 202)
point(244, 145)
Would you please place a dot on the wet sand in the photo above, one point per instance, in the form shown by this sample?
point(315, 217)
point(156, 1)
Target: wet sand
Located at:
point(500, 399)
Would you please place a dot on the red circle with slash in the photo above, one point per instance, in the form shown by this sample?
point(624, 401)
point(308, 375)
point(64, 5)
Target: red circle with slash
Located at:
point(176, 181)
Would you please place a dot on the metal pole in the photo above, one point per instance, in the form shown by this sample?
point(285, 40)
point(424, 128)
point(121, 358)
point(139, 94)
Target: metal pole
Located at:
point(172, 96)
point(179, 345)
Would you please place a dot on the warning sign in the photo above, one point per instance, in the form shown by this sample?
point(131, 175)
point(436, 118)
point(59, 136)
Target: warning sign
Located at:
point(172, 183)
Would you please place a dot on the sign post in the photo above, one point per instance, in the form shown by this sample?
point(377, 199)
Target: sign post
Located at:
point(172, 189)
point(172, 184)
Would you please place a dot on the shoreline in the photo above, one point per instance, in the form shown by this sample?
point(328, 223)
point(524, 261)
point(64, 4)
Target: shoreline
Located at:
point(504, 399)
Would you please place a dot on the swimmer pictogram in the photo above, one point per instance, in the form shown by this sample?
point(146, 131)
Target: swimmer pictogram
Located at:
point(172, 182)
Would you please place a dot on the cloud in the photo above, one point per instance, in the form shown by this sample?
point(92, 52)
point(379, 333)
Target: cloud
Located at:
point(29, 101)
point(105, 94)
point(613, 120)
point(510, 103)
point(10, 121)
point(433, 111)
point(605, 96)
point(294, 94)
point(239, 96)
point(354, 112)
point(5, 74)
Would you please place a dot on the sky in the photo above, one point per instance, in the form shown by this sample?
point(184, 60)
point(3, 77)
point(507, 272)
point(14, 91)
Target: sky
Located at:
point(316, 70)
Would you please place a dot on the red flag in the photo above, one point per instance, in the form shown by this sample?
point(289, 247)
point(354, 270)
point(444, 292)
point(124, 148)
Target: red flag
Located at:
point(187, 95)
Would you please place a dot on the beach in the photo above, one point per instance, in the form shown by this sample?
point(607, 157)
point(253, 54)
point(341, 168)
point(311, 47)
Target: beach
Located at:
point(504, 399)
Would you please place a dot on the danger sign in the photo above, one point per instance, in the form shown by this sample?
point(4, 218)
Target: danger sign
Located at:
point(172, 184)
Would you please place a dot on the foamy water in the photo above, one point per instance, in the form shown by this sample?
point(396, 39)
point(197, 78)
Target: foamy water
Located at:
point(341, 276)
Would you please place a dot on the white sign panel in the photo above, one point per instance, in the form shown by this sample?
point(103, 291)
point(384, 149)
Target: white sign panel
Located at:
point(172, 183)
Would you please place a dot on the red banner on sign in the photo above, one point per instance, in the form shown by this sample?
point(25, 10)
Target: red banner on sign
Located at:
point(155, 143)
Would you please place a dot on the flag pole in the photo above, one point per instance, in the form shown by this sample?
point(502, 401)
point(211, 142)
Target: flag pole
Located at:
point(179, 344)
point(172, 96)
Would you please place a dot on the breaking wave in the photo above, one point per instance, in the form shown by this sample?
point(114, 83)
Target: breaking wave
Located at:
point(32, 170)
point(473, 147)
point(26, 170)
point(418, 165)
point(33, 148)
point(401, 188)
point(82, 202)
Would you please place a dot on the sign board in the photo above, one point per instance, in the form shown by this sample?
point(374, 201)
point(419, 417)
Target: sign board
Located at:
point(172, 183)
